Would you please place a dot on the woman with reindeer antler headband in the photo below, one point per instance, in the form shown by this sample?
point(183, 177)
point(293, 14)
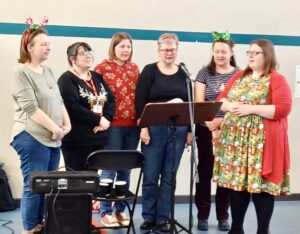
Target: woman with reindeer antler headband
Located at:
point(210, 82)
point(41, 120)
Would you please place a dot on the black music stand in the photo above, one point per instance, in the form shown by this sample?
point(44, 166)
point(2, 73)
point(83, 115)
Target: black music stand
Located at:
point(174, 114)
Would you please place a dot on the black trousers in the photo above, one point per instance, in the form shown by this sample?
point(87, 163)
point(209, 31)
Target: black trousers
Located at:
point(205, 171)
point(263, 203)
point(75, 156)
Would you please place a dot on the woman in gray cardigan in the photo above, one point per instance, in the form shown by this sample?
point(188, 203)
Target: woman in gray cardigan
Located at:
point(41, 120)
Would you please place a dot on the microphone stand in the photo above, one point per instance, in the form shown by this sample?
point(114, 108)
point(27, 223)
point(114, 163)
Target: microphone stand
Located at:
point(193, 147)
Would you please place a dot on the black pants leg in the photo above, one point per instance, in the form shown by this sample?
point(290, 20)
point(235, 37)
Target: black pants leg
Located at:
point(205, 171)
point(264, 206)
point(222, 203)
point(75, 156)
point(239, 202)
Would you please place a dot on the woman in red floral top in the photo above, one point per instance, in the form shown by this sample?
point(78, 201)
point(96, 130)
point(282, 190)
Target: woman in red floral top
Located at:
point(121, 76)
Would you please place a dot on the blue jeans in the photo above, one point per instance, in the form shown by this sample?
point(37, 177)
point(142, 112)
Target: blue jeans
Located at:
point(156, 197)
point(120, 138)
point(34, 157)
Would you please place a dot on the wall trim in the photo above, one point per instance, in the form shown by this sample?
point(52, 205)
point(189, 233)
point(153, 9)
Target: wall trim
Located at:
point(145, 34)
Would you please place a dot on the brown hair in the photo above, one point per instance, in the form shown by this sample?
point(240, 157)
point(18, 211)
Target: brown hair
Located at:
point(167, 38)
point(73, 50)
point(269, 55)
point(28, 39)
point(212, 65)
point(115, 40)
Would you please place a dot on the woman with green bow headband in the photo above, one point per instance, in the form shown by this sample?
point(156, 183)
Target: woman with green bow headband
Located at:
point(210, 82)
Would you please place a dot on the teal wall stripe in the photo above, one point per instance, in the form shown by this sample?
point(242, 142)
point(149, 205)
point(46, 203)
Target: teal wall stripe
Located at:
point(97, 32)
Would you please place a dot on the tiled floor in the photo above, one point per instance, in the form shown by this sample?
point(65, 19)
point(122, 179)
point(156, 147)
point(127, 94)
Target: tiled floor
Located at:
point(285, 219)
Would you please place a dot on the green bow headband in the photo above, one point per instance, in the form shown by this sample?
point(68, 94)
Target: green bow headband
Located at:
point(217, 36)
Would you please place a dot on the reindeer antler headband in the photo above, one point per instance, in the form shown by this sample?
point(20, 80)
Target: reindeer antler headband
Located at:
point(33, 26)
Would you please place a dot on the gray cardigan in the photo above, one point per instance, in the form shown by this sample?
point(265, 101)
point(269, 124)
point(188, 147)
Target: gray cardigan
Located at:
point(31, 91)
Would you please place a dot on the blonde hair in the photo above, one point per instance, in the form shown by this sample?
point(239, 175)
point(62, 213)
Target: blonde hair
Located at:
point(168, 38)
point(115, 40)
point(28, 39)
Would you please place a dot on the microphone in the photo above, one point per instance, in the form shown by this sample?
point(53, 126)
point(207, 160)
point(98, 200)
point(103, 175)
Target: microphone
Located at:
point(186, 71)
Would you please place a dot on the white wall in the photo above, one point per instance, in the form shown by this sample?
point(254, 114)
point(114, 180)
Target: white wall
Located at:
point(237, 16)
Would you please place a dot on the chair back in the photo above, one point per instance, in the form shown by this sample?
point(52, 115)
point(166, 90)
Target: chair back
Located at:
point(114, 160)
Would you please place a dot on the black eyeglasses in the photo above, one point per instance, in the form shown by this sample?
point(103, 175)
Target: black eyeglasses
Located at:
point(253, 52)
point(173, 50)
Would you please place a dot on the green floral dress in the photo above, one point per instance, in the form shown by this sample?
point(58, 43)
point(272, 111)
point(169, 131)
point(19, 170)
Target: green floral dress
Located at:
point(239, 150)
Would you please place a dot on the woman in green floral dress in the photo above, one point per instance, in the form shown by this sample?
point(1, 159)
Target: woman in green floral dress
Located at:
point(252, 153)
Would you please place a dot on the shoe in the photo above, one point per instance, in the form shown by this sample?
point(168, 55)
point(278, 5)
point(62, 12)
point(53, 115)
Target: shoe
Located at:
point(95, 206)
point(234, 230)
point(166, 227)
point(202, 225)
point(40, 226)
point(122, 219)
point(146, 225)
point(223, 225)
point(109, 221)
point(34, 230)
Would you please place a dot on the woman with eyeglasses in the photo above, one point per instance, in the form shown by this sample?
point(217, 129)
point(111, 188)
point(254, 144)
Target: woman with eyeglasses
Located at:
point(90, 104)
point(121, 75)
point(162, 81)
point(252, 154)
point(210, 82)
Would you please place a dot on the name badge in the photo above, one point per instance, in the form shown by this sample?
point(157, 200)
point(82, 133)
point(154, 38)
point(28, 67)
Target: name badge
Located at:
point(97, 108)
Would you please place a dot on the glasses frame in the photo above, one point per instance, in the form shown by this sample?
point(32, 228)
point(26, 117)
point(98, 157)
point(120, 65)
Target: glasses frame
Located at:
point(253, 52)
point(87, 53)
point(165, 51)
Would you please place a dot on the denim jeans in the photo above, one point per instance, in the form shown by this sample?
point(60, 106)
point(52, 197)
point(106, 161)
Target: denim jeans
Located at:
point(34, 157)
point(156, 197)
point(120, 138)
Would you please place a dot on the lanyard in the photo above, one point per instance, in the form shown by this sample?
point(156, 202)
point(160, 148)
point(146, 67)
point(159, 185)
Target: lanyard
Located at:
point(89, 83)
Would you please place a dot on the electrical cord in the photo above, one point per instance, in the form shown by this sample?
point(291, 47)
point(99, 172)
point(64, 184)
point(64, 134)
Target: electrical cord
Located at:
point(47, 205)
point(6, 222)
point(54, 213)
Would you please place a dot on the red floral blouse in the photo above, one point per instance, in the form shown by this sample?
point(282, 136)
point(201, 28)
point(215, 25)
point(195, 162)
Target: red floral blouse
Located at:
point(122, 83)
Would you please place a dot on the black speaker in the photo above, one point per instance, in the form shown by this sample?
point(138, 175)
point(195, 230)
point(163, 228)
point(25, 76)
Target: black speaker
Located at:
point(68, 213)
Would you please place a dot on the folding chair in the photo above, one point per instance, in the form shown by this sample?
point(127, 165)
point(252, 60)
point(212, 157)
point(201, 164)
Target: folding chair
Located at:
point(118, 160)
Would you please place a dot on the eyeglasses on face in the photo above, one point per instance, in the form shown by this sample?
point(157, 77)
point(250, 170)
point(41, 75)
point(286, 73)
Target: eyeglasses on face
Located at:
point(173, 50)
point(88, 53)
point(253, 52)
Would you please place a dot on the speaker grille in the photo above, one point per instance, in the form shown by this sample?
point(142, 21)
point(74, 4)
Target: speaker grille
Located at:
point(71, 214)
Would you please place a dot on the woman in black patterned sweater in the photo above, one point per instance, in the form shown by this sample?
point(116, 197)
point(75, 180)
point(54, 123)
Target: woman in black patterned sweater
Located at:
point(90, 105)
